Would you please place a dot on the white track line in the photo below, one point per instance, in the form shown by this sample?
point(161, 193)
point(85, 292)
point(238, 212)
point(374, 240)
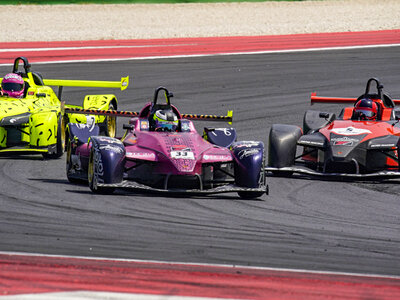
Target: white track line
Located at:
point(213, 54)
point(90, 48)
point(95, 295)
point(197, 264)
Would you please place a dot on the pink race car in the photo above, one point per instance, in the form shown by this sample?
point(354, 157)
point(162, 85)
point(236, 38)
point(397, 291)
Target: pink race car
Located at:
point(161, 151)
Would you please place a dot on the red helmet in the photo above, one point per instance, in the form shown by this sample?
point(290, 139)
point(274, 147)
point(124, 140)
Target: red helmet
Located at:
point(366, 109)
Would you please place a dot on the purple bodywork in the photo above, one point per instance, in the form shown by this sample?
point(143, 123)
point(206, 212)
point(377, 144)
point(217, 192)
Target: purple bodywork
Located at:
point(177, 153)
point(181, 161)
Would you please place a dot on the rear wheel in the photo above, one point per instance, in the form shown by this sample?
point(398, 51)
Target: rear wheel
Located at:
point(111, 123)
point(69, 164)
point(60, 144)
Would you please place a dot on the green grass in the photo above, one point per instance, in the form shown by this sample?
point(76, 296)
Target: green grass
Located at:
point(16, 2)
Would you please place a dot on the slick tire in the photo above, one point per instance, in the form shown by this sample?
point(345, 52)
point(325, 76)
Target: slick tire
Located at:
point(60, 144)
point(261, 182)
point(69, 165)
point(93, 169)
point(250, 195)
point(282, 145)
point(111, 123)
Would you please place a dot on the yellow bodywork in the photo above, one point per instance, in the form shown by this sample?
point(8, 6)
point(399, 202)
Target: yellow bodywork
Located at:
point(31, 123)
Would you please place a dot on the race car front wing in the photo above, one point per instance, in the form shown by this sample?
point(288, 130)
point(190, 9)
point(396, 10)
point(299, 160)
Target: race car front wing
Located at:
point(311, 172)
point(217, 190)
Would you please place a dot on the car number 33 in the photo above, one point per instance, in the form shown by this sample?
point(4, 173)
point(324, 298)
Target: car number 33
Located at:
point(182, 155)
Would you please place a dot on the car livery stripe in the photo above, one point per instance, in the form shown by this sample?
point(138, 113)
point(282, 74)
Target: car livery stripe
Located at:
point(25, 273)
point(110, 50)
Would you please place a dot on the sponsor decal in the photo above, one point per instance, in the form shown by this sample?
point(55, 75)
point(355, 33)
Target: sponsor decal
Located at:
point(144, 125)
point(131, 140)
point(311, 143)
point(112, 148)
point(90, 124)
point(248, 152)
point(12, 76)
point(180, 148)
point(343, 141)
point(185, 126)
point(141, 155)
point(383, 146)
point(350, 131)
point(98, 171)
point(109, 140)
point(218, 157)
point(247, 144)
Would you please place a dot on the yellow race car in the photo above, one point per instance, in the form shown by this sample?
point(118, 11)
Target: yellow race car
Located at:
point(35, 122)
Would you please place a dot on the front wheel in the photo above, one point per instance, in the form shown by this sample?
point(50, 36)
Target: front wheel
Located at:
point(94, 168)
point(262, 182)
point(249, 167)
point(252, 195)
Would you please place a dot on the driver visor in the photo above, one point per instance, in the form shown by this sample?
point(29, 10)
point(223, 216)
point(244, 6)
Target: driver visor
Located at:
point(367, 113)
point(12, 86)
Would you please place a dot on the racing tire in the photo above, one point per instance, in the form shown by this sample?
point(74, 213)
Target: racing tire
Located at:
point(60, 144)
point(250, 195)
point(93, 169)
point(282, 146)
point(249, 168)
point(262, 181)
point(69, 164)
point(111, 123)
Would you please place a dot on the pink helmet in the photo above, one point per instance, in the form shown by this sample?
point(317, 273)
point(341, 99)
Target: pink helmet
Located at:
point(13, 85)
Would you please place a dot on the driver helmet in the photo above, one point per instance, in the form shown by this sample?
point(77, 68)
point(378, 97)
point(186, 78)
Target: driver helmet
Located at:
point(13, 85)
point(366, 109)
point(165, 120)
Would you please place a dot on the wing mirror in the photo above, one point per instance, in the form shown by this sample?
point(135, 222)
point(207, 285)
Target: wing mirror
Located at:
point(324, 115)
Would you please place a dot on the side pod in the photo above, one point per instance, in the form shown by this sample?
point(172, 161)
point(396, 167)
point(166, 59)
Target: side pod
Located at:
point(282, 145)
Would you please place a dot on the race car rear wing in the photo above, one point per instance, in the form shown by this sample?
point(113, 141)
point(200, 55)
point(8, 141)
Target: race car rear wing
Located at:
point(319, 99)
point(36, 78)
point(123, 84)
point(119, 113)
point(387, 100)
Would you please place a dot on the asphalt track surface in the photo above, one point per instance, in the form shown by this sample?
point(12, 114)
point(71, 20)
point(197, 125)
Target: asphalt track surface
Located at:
point(302, 224)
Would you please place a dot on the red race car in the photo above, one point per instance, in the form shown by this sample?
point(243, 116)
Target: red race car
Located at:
point(363, 141)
